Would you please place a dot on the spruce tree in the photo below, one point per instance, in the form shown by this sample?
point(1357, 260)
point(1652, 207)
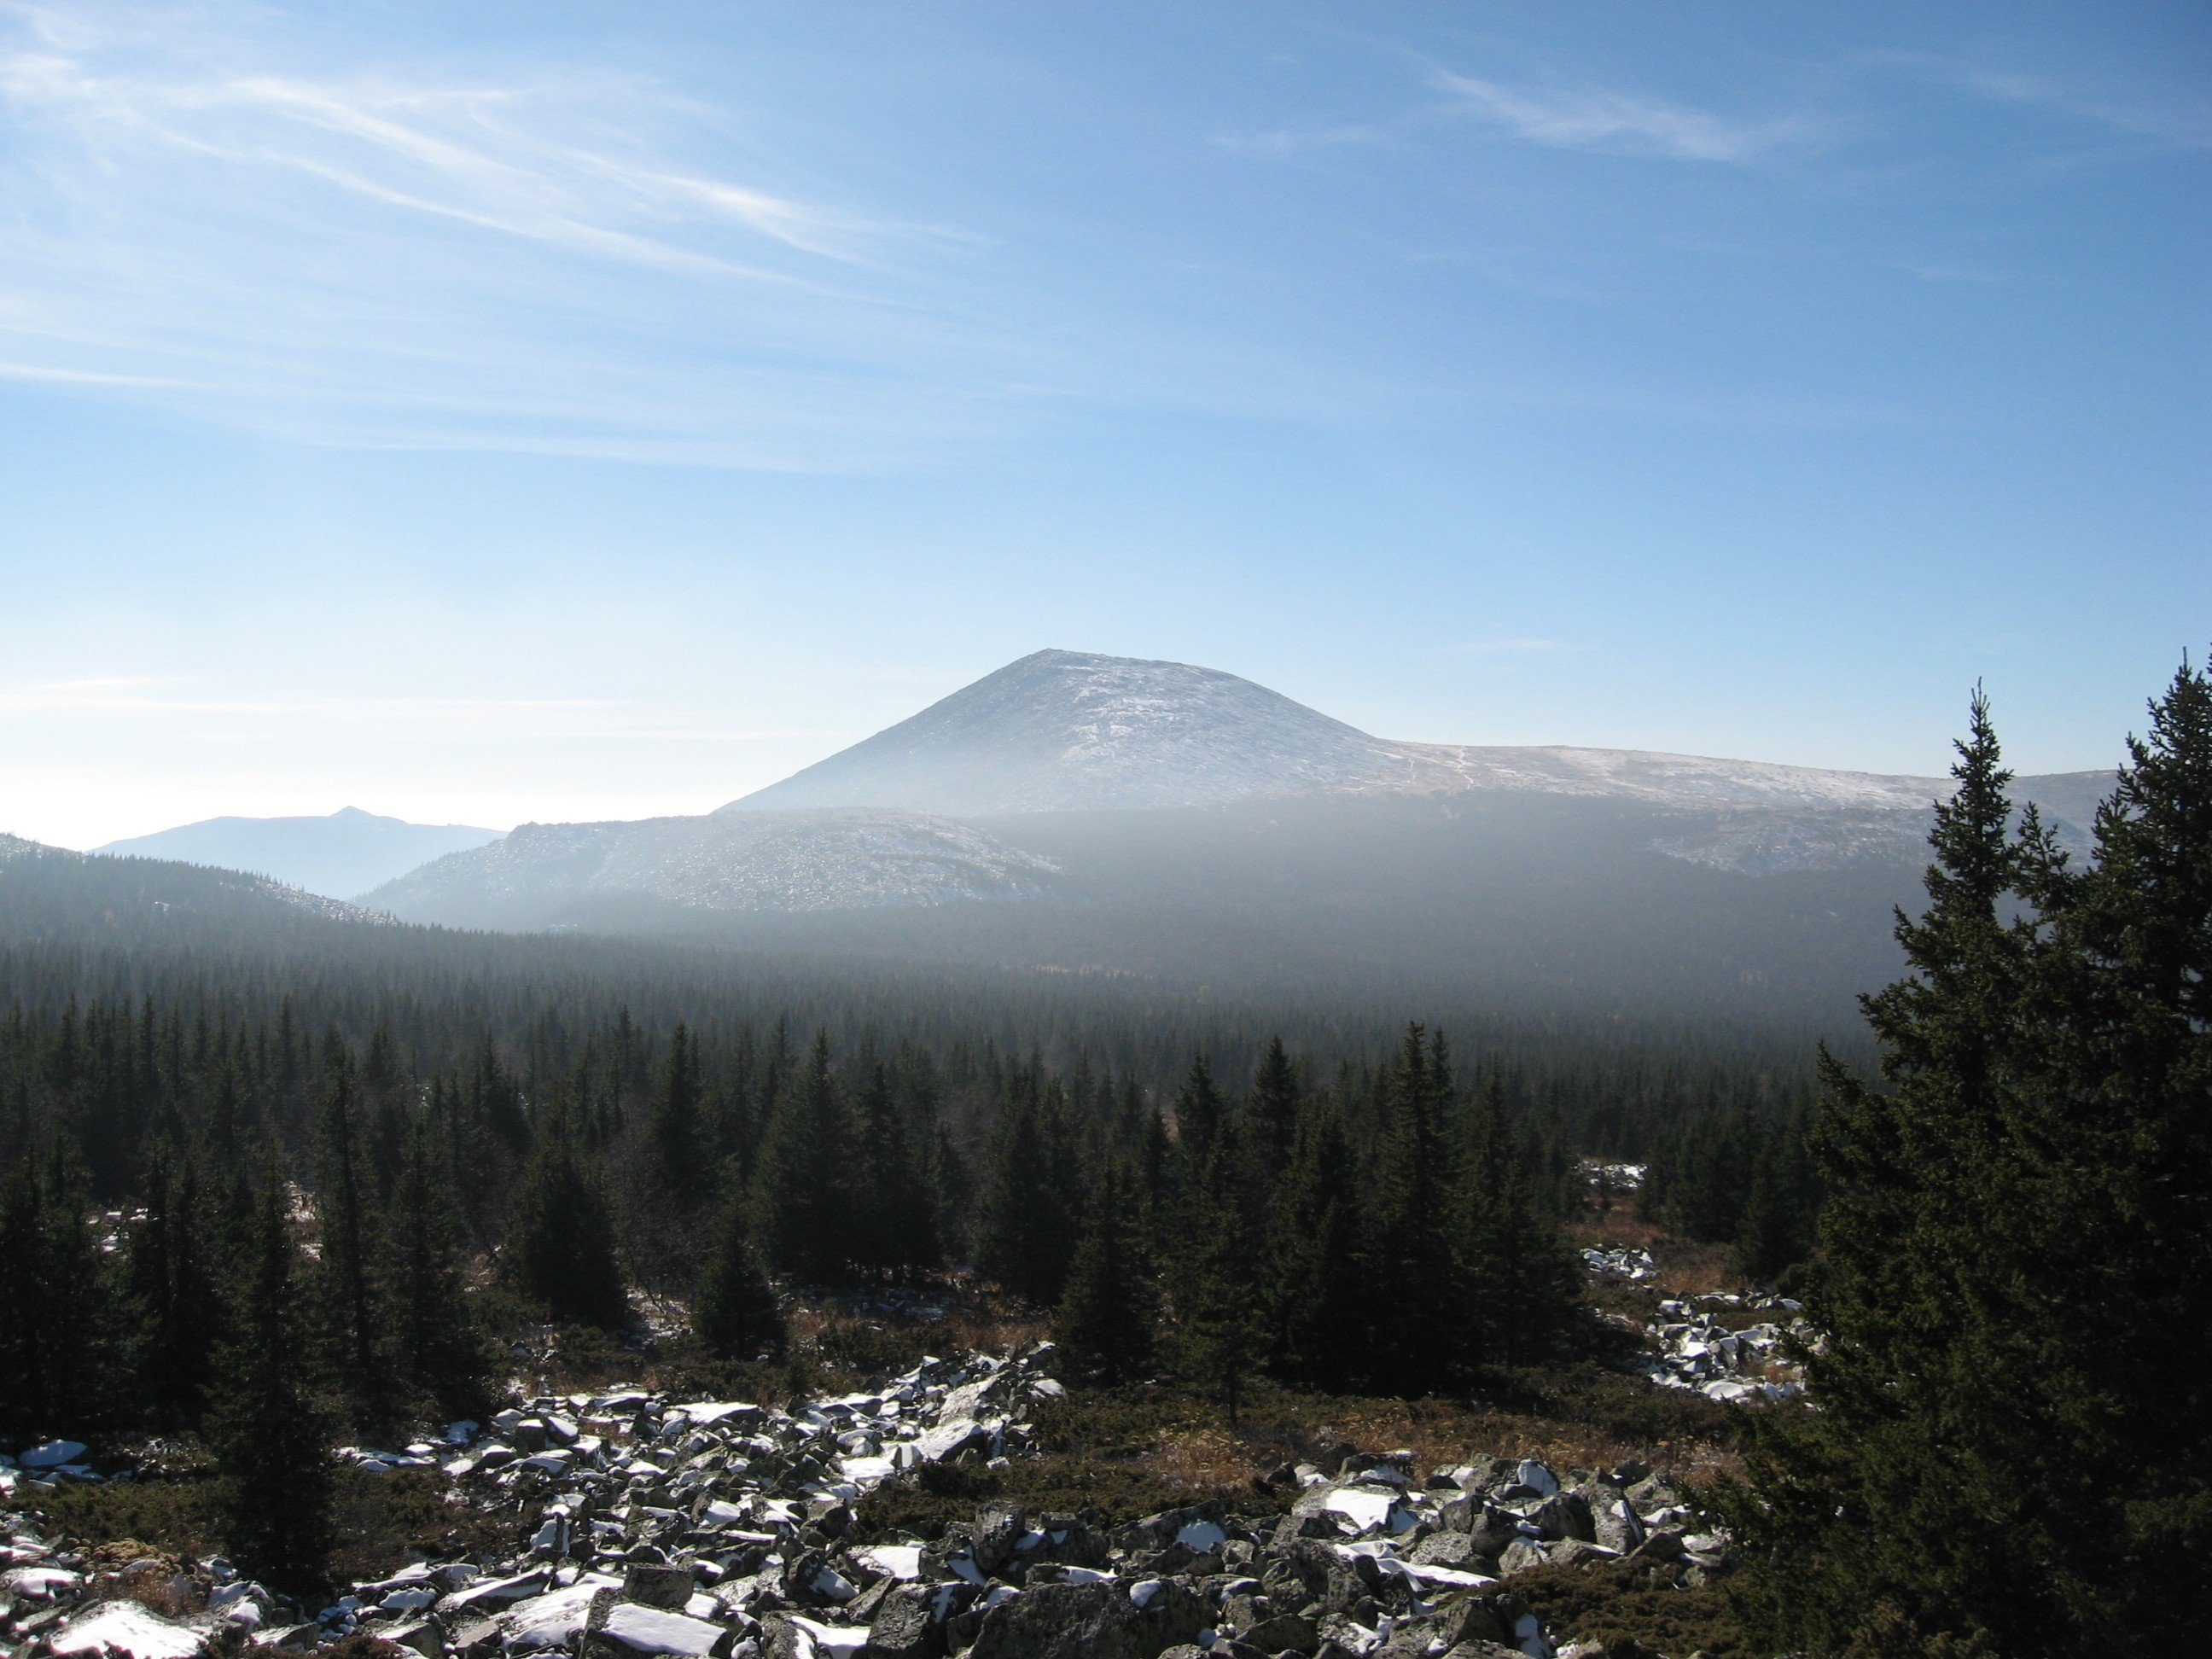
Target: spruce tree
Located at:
point(681, 1158)
point(270, 1427)
point(1024, 1244)
point(735, 1309)
point(1316, 1293)
point(1220, 1323)
point(1415, 1336)
point(1521, 1287)
point(171, 1273)
point(801, 1193)
point(895, 1222)
point(1271, 1114)
point(62, 1351)
point(350, 1298)
point(438, 1346)
point(1109, 1313)
point(2013, 1287)
point(561, 1240)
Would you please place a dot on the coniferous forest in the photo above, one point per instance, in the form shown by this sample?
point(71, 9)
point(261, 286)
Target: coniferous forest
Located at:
point(274, 1184)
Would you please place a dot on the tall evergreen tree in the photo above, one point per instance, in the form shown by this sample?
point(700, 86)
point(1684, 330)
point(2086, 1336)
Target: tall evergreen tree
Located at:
point(2013, 1289)
point(895, 1222)
point(801, 1193)
point(735, 1309)
point(64, 1346)
point(1271, 1116)
point(560, 1239)
point(1025, 1238)
point(1110, 1310)
point(270, 1427)
point(1521, 1283)
point(350, 1296)
point(172, 1270)
point(1316, 1293)
point(1412, 1251)
point(438, 1346)
point(683, 1158)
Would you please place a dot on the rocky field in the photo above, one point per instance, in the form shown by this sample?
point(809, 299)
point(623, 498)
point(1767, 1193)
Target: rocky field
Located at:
point(968, 1503)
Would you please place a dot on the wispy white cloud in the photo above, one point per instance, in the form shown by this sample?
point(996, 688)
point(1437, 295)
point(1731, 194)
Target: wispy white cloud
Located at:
point(1599, 119)
point(2178, 125)
point(571, 265)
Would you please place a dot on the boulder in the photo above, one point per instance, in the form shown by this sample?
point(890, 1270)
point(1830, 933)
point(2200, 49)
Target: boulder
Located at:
point(998, 1527)
point(1283, 1633)
point(1065, 1621)
point(1612, 1523)
point(652, 1585)
point(1564, 1515)
point(628, 1628)
point(904, 1626)
point(1520, 1553)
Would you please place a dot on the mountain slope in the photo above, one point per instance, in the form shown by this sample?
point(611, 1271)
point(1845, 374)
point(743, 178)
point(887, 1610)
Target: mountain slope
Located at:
point(347, 853)
point(51, 892)
point(611, 875)
point(1063, 730)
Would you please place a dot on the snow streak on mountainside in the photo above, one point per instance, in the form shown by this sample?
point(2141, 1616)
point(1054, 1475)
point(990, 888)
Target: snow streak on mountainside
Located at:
point(768, 862)
point(1064, 730)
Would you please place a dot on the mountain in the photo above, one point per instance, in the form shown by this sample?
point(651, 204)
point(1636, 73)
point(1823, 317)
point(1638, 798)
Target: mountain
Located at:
point(347, 853)
point(1098, 814)
point(667, 870)
point(52, 893)
point(1063, 730)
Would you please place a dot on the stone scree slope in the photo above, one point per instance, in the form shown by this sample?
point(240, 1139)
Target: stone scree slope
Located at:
point(719, 1529)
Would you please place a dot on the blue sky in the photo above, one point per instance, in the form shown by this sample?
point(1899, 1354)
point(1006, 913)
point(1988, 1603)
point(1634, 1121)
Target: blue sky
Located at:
point(542, 411)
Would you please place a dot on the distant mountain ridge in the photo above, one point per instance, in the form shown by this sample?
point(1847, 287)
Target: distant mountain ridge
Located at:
point(547, 875)
point(1088, 814)
point(1065, 731)
point(339, 856)
point(53, 890)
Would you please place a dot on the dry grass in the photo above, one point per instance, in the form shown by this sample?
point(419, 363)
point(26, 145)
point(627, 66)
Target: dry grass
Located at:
point(1580, 1417)
point(130, 1570)
point(1614, 1229)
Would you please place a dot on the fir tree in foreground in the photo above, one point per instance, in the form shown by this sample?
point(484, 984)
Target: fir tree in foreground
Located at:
point(2015, 1284)
point(735, 1310)
point(270, 1429)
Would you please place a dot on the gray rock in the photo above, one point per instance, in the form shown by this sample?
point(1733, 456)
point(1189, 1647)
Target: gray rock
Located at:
point(1612, 1523)
point(421, 1634)
point(1520, 1553)
point(1574, 1552)
point(1564, 1515)
point(904, 1626)
point(1065, 1621)
point(1283, 1633)
point(654, 1586)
